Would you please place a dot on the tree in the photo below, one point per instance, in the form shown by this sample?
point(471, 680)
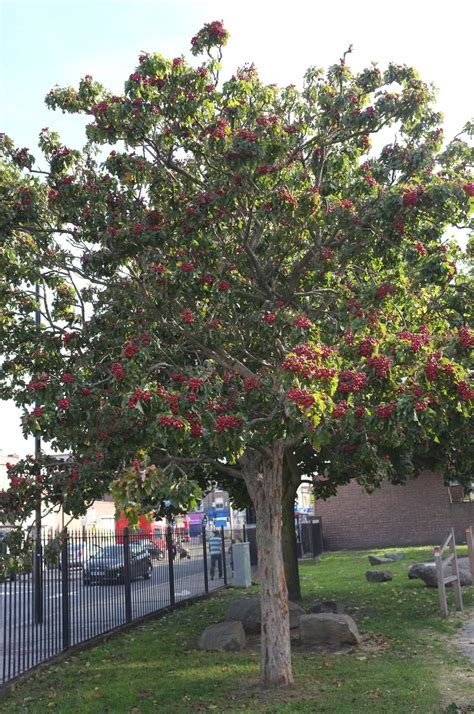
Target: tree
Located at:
point(242, 276)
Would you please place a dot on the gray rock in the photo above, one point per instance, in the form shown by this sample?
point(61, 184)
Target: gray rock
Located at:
point(415, 570)
point(378, 560)
point(326, 606)
point(228, 636)
point(328, 628)
point(247, 611)
point(395, 556)
point(295, 612)
point(427, 572)
point(378, 576)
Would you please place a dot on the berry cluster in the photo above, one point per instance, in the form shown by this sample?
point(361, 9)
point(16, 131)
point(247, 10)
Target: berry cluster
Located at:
point(171, 421)
point(38, 384)
point(366, 346)
point(466, 337)
point(410, 197)
point(385, 289)
point(380, 365)
point(302, 321)
point(384, 411)
point(417, 341)
point(226, 423)
point(340, 409)
point(350, 381)
point(141, 394)
point(465, 392)
point(130, 350)
point(117, 370)
point(432, 367)
point(195, 383)
point(187, 316)
point(301, 397)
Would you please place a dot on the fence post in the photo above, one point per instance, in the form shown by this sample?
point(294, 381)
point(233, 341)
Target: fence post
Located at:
point(169, 547)
point(204, 559)
point(244, 533)
point(443, 605)
point(38, 575)
point(127, 581)
point(455, 569)
point(224, 562)
point(470, 549)
point(65, 604)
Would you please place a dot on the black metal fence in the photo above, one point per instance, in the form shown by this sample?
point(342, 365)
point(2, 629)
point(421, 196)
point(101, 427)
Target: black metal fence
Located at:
point(309, 538)
point(308, 535)
point(77, 586)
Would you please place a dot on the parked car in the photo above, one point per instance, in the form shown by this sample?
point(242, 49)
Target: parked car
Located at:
point(154, 549)
point(108, 566)
point(78, 554)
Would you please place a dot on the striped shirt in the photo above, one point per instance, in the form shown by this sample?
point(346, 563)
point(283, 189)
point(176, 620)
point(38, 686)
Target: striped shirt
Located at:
point(215, 545)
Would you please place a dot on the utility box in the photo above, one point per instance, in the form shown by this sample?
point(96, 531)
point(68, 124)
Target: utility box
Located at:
point(241, 558)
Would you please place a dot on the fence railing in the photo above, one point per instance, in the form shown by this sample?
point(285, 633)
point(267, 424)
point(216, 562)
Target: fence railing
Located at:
point(78, 586)
point(446, 579)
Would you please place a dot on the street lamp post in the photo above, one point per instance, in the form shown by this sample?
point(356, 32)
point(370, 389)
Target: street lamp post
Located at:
point(38, 559)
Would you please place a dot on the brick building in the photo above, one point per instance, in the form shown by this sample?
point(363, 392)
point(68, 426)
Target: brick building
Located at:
point(420, 512)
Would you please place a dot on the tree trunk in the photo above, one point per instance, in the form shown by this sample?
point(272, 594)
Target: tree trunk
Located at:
point(290, 558)
point(263, 476)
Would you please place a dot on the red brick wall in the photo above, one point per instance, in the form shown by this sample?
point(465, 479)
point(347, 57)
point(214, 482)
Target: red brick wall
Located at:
point(418, 513)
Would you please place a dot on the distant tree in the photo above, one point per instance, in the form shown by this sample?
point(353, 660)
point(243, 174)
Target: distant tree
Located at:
point(241, 277)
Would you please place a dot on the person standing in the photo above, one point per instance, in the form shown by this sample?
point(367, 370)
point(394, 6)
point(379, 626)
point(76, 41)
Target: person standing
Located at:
point(215, 551)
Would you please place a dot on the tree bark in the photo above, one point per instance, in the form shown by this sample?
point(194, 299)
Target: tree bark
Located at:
point(264, 475)
point(290, 558)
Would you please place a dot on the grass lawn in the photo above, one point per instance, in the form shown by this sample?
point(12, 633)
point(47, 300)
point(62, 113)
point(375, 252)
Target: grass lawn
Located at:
point(406, 662)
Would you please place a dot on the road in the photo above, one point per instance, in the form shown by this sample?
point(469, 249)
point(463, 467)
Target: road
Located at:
point(93, 609)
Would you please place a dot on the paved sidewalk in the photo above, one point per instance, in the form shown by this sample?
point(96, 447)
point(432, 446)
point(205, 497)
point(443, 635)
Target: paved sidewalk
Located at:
point(465, 640)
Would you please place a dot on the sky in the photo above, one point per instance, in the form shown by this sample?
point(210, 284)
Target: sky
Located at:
point(44, 43)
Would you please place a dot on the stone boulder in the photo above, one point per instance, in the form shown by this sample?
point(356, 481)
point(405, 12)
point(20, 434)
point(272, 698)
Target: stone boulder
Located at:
point(247, 611)
point(395, 556)
point(228, 636)
point(378, 560)
point(378, 576)
point(328, 629)
point(415, 570)
point(427, 572)
point(326, 606)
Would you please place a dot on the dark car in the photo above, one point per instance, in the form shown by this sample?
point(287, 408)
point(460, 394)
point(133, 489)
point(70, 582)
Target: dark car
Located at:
point(108, 566)
point(154, 549)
